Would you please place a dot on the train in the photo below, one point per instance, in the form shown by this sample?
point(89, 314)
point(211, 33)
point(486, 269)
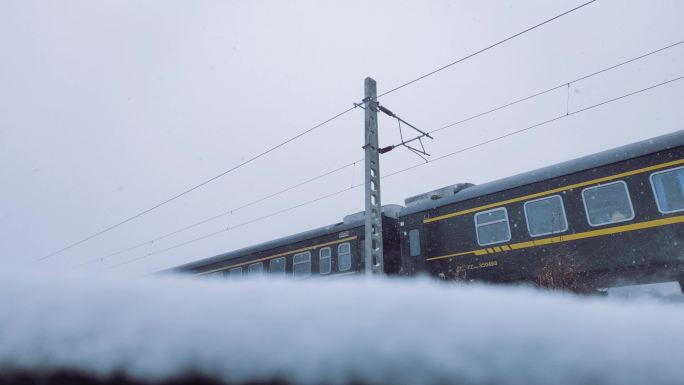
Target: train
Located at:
point(609, 219)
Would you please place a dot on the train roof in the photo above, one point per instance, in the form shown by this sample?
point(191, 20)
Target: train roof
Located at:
point(599, 159)
point(349, 222)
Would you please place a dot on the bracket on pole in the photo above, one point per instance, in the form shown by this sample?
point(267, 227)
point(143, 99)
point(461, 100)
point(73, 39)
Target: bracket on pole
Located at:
point(373, 214)
point(420, 152)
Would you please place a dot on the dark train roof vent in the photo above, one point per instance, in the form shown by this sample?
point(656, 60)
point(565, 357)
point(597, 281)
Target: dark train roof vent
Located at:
point(436, 194)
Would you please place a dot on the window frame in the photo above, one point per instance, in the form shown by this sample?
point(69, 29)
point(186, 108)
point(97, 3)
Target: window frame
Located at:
point(295, 263)
point(339, 268)
point(320, 259)
point(629, 199)
point(477, 226)
point(565, 216)
point(284, 272)
point(249, 268)
point(655, 193)
point(219, 274)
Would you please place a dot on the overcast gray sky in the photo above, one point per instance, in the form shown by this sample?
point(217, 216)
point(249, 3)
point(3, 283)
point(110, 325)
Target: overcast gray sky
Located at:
point(108, 108)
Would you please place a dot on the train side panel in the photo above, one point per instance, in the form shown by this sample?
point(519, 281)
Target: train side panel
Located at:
point(336, 253)
point(327, 254)
point(635, 243)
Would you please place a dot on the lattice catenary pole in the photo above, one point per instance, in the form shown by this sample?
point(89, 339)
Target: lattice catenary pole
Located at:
point(373, 214)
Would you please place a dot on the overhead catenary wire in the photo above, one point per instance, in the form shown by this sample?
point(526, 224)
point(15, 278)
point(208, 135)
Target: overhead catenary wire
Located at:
point(224, 213)
point(472, 117)
point(237, 226)
point(564, 84)
point(195, 187)
point(484, 49)
point(480, 144)
point(559, 117)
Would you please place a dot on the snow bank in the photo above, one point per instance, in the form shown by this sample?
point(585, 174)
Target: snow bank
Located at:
point(660, 292)
point(381, 331)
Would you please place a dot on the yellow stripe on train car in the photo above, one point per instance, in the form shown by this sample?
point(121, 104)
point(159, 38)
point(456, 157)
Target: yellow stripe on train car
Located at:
point(574, 237)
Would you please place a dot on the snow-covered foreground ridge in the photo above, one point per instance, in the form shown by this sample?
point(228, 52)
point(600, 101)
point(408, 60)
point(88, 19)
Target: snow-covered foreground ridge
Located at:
point(381, 332)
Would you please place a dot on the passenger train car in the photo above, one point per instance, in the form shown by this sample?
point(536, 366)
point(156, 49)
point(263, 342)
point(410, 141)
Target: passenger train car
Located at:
point(334, 250)
point(609, 219)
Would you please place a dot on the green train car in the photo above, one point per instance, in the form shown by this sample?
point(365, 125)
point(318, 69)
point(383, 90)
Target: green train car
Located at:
point(609, 219)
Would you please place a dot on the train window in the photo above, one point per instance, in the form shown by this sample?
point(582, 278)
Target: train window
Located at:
point(344, 257)
point(235, 272)
point(492, 227)
point(217, 275)
point(301, 263)
point(277, 265)
point(324, 260)
point(545, 216)
point(607, 203)
point(414, 242)
point(256, 268)
point(668, 188)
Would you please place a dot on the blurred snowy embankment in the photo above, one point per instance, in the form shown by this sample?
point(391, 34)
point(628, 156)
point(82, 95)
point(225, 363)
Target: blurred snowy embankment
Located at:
point(381, 331)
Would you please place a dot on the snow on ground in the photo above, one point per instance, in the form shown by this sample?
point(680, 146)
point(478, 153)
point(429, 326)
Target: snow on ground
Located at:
point(408, 331)
point(660, 292)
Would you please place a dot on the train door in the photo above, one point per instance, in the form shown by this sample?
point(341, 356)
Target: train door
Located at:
point(413, 248)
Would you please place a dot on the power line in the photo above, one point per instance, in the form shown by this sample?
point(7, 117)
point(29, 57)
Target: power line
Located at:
point(509, 104)
point(540, 93)
point(224, 213)
point(239, 225)
point(248, 161)
point(484, 49)
point(501, 137)
point(537, 125)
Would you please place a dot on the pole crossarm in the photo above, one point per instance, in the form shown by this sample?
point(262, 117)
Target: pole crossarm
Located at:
point(392, 114)
point(421, 152)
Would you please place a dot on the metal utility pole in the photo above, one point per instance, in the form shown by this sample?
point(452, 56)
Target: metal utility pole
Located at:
point(373, 215)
